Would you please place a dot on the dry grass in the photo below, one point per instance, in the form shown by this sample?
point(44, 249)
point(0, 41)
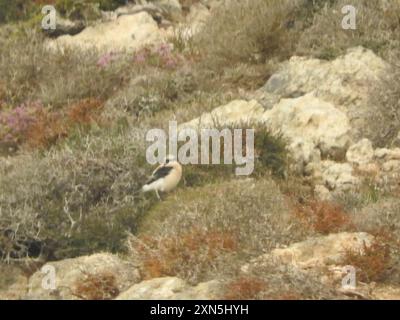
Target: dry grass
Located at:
point(377, 28)
point(385, 108)
point(273, 280)
point(250, 216)
point(183, 254)
point(248, 31)
point(381, 261)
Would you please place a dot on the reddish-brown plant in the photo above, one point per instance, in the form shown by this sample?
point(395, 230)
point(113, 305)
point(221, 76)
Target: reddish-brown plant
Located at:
point(323, 217)
point(100, 286)
point(173, 255)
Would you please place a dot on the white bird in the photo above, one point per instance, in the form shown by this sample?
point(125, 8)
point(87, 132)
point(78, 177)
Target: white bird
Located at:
point(165, 178)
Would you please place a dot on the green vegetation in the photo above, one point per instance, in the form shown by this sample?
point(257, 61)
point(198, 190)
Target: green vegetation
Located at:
point(72, 147)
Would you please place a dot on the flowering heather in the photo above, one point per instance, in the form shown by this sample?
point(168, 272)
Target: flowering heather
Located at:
point(106, 59)
point(16, 122)
point(161, 55)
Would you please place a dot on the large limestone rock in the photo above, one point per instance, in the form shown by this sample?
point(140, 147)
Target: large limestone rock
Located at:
point(345, 82)
point(313, 121)
point(318, 252)
point(195, 20)
point(158, 9)
point(126, 32)
point(360, 153)
point(71, 272)
point(337, 176)
point(171, 8)
point(171, 288)
point(66, 27)
point(235, 112)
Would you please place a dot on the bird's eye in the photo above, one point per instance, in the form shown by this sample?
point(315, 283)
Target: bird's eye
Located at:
point(166, 161)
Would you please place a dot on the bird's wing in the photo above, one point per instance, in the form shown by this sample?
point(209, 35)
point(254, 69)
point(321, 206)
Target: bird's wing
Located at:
point(159, 173)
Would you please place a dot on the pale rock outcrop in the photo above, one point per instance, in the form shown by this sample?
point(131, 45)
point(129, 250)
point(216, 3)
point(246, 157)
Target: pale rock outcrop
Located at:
point(313, 121)
point(171, 8)
point(336, 176)
point(66, 27)
point(195, 20)
point(322, 193)
point(235, 112)
point(158, 9)
point(70, 272)
point(318, 252)
point(391, 165)
point(171, 288)
point(128, 32)
point(387, 154)
point(360, 153)
point(344, 82)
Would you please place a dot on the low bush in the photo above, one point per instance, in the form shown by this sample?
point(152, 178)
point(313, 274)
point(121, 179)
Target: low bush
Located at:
point(377, 28)
point(273, 280)
point(73, 200)
point(250, 215)
point(100, 286)
point(324, 217)
point(373, 263)
point(188, 254)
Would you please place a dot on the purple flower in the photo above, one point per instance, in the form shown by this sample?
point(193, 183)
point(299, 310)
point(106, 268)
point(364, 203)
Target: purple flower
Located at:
point(15, 122)
point(140, 57)
point(106, 59)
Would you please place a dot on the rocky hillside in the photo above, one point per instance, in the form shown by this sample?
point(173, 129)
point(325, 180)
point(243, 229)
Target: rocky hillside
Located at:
point(76, 103)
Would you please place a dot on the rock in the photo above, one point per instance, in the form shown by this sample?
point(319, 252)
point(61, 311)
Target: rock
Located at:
point(313, 127)
point(320, 251)
point(235, 112)
point(371, 169)
point(128, 32)
point(156, 12)
point(386, 292)
point(304, 152)
point(172, 9)
point(387, 154)
point(66, 27)
point(196, 19)
point(391, 165)
point(71, 272)
point(360, 153)
point(344, 82)
point(312, 120)
point(338, 176)
point(170, 288)
point(322, 193)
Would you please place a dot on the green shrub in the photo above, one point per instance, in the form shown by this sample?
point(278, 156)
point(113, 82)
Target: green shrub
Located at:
point(53, 77)
point(80, 199)
point(271, 158)
point(247, 31)
point(16, 10)
point(384, 127)
point(377, 28)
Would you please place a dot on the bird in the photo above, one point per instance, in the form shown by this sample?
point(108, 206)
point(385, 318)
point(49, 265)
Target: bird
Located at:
point(165, 177)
